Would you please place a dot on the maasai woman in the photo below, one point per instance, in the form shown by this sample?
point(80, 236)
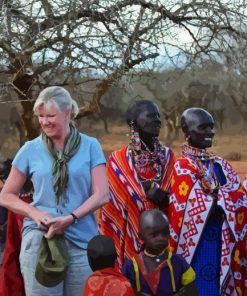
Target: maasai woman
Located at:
point(208, 211)
point(139, 177)
point(67, 170)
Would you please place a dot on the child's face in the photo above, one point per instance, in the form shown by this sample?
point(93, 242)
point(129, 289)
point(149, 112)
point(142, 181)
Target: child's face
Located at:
point(156, 238)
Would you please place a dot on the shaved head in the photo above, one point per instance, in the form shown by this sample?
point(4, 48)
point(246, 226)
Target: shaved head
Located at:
point(192, 117)
point(152, 218)
point(154, 231)
point(198, 127)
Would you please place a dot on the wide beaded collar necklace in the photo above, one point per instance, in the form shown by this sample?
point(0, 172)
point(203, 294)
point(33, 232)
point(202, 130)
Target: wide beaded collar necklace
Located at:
point(196, 153)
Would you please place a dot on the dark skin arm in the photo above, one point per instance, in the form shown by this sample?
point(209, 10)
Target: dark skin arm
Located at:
point(158, 196)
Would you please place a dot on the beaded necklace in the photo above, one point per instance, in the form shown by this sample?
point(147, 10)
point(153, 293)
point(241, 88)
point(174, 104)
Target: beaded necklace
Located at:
point(204, 162)
point(157, 257)
point(196, 153)
point(148, 163)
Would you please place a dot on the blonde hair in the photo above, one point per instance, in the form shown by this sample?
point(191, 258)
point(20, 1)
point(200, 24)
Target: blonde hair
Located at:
point(60, 97)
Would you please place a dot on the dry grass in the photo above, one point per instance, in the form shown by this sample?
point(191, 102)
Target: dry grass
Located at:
point(234, 156)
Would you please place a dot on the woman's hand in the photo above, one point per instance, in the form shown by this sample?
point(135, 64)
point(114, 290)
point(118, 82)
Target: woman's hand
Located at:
point(41, 218)
point(158, 196)
point(57, 225)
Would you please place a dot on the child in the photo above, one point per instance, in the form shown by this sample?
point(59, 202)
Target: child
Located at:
point(105, 280)
point(156, 271)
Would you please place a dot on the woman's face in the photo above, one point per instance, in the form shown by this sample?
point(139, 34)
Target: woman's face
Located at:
point(201, 130)
point(148, 121)
point(54, 122)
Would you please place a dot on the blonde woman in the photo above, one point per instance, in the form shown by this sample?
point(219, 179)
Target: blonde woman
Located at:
point(67, 169)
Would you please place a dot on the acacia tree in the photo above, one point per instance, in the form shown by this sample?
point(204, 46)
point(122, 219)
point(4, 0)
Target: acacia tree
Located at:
point(72, 43)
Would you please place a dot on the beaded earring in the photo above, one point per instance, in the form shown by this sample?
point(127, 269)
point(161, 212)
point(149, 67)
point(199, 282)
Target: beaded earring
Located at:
point(187, 138)
point(135, 140)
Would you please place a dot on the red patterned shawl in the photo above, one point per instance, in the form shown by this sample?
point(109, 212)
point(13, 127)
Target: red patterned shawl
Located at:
point(188, 213)
point(11, 281)
point(107, 282)
point(119, 218)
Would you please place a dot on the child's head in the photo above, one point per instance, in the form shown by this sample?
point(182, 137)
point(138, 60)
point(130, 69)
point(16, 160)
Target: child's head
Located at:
point(154, 231)
point(101, 252)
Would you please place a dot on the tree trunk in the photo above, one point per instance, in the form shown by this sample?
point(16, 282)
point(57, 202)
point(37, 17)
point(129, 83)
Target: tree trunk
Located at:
point(23, 81)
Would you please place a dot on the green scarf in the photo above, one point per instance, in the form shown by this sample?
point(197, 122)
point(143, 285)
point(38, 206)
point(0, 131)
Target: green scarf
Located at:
point(59, 167)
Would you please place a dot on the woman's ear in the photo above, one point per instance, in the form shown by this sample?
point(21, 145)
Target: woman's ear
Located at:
point(68, 113)
point(187, 137)
point(133, 126)
point(184, 126)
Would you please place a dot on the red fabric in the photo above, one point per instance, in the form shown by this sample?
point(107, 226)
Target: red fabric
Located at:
point(108, 282)
point(188, 212)
point(119, 218)
point(11, 281)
